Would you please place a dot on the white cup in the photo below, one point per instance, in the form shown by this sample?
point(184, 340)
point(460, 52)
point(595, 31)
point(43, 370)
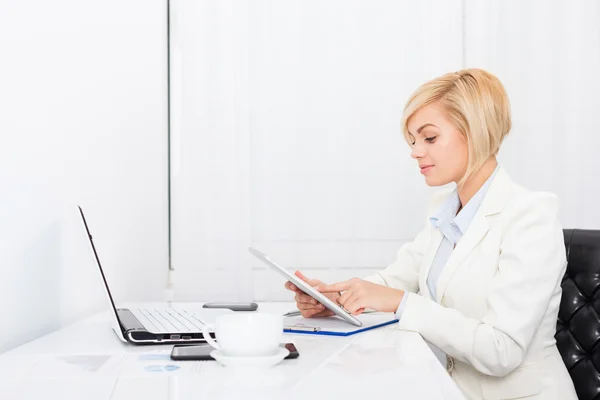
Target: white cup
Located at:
point(246, 334)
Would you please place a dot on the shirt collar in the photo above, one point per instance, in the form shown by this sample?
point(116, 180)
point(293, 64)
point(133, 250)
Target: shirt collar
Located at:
point(446, 214)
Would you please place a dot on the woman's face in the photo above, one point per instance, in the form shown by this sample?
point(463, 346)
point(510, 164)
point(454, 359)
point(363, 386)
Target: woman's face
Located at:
point(439, 147)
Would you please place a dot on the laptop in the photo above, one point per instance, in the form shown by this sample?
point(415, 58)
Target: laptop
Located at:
point(156, 325)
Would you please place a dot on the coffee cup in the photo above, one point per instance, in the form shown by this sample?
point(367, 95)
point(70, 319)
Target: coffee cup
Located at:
point(246, 334)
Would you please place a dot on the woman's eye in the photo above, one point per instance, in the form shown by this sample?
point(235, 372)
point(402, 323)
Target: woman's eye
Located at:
point(430, 139)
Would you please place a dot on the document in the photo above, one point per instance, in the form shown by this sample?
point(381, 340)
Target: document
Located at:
point(335, 325)
point(122, 365)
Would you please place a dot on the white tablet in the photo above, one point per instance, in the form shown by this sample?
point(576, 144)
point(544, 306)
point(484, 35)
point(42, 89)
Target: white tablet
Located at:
point(306, 288)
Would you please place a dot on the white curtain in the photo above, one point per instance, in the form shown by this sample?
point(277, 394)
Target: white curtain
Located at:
point(286, 127)
point(547, 53)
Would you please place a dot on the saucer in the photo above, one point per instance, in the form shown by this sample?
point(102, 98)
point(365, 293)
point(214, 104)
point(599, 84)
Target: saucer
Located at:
point(263, 361)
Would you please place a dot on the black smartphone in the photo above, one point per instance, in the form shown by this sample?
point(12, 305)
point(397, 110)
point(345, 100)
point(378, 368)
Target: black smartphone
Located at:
point(202, 352)
point(234, 306)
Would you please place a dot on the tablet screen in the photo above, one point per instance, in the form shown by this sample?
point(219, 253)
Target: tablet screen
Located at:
point(306, 288)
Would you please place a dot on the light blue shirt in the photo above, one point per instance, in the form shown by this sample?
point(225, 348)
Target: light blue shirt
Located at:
point(452, 227)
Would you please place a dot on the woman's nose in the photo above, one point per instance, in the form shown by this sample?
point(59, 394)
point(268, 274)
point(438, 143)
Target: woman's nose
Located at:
point(417, 152)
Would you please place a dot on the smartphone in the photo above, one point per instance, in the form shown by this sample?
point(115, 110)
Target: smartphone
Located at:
point(202, 352)
point(252, 306)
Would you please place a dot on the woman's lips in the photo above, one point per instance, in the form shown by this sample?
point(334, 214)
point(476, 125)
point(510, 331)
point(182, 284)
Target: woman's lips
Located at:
point(426, 168)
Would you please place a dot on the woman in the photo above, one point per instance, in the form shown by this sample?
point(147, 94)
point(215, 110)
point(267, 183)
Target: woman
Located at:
point(481, 281)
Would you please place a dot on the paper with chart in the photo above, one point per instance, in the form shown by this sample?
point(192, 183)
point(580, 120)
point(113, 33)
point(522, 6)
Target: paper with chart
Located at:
point(93, 365)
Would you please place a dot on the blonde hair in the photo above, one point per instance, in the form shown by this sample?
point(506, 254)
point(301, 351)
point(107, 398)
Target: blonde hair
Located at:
point(476, 103)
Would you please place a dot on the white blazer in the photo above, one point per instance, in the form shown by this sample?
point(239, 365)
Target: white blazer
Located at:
point(497, 297)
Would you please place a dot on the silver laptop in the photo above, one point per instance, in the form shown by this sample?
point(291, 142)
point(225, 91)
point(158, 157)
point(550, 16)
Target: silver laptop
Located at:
point(156, 325)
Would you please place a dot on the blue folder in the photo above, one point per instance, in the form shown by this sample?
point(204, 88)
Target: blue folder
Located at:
point(335, 326)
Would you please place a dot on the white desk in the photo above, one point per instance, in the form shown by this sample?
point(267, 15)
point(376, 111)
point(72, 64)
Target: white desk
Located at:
point(87, 361)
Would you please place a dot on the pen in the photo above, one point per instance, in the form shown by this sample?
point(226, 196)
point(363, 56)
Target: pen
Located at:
point(303, 328)
point(291, 313)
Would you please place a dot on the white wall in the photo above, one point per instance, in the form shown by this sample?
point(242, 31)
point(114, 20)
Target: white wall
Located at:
point(286, 130)
point(286, 137)
point(83, 120)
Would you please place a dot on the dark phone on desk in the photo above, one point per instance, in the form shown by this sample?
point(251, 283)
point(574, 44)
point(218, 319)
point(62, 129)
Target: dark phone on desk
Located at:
point(202, 352)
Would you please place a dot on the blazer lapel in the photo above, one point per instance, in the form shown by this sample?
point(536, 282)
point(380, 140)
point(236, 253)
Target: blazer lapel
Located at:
point(466, 244)
point(434, 244)
point(494, 201)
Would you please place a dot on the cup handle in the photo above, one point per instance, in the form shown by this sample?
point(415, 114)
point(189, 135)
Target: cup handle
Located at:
point(208, 338)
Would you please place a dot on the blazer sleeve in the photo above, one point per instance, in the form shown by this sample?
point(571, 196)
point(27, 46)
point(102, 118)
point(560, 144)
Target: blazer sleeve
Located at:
point(532, 262)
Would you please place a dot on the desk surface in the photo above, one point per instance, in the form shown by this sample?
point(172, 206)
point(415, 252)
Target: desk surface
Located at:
point(87, 361)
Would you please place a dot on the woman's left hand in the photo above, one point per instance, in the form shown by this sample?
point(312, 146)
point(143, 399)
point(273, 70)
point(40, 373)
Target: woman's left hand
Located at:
point(359, 294)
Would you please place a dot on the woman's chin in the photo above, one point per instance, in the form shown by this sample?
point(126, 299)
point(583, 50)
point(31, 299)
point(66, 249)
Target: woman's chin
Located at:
point(436, 181)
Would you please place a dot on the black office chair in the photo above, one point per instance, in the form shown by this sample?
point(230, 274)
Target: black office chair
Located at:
point(578, 328)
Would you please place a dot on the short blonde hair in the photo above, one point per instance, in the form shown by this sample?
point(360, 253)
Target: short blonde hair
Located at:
point(477, 104)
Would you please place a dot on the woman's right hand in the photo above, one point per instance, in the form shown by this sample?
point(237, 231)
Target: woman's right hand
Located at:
point(308, 306)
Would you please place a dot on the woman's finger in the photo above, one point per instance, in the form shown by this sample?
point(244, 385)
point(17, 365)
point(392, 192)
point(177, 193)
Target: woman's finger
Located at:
point(348, 300)
point(353, 305)
point(345, 296)
point(316, 313)
point(309, 313)
point(308, 307)
point(336, 287)
point(303, 298)
point(325, 313)
point(306, 298)
point(311, 282)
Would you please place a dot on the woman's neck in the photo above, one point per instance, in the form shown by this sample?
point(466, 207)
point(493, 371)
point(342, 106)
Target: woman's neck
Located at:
point(476, 181)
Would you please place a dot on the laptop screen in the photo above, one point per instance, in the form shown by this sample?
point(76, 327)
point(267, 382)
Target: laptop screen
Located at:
point(112, 303)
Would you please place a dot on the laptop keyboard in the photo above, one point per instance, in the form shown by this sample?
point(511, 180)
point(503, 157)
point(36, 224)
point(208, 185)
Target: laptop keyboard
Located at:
point(168, 320)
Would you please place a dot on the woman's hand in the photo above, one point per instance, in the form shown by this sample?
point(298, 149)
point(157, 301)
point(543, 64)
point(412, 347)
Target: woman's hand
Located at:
point(308, 306)
point(360, 294)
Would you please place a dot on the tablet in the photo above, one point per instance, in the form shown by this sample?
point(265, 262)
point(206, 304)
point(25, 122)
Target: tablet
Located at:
point(306, 288)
